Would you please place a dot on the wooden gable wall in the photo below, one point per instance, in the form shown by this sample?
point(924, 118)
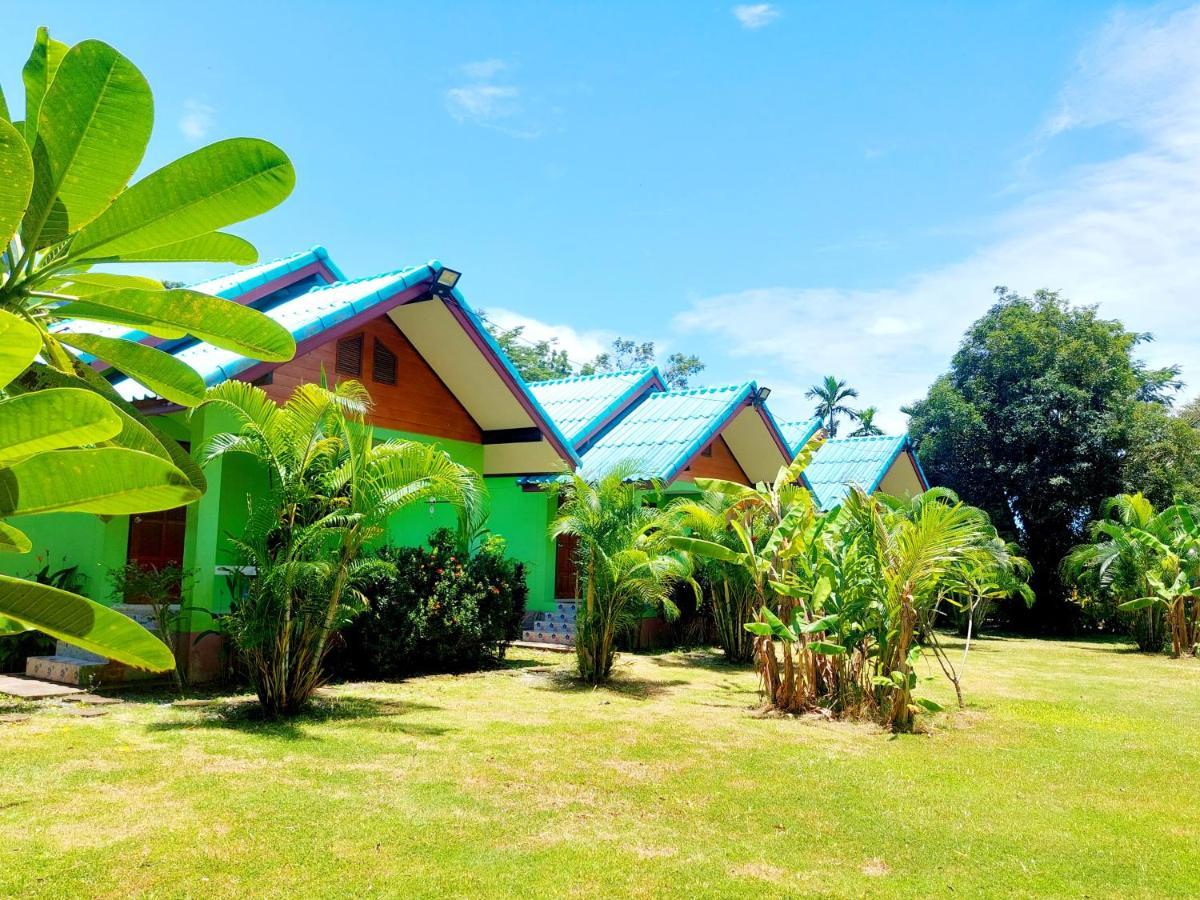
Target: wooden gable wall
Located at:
point(418, 402)
point(719, 464)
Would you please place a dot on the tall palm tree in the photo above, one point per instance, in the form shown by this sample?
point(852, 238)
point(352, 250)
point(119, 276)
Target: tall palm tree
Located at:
point(330, 489)
point(866, 422)
point(624, 564)
point(831, 396)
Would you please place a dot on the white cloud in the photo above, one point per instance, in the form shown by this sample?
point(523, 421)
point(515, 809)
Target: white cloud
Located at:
point(1123, 233)
point(482, 102)
point(484, 69)
point(755, 15)
point(581, 346)
point(197, 120)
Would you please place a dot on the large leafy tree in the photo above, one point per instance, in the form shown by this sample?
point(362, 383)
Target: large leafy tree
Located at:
point(1030, 423)
point(535, 360)
point(330, 489)
point(1162, 459)
point(69, 441)
point(866, 423)
point(831, 396)
point(629, 354)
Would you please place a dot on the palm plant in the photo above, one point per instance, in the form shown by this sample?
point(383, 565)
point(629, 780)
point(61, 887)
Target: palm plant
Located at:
point(866, 422)
point(831, 396)
point(330, 490)
point(624, 565)
point(730, 590)
point(1149, 562)
point(845, 595)
point(70, 442)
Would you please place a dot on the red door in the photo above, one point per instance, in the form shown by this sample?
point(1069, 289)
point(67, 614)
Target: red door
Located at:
point(156, 539)
point(566, 576)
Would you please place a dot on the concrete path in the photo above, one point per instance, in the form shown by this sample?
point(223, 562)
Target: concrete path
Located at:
point(32, 689)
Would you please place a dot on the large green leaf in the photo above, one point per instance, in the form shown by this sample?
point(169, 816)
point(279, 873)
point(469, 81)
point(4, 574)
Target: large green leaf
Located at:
point(16, 181)
point(87, 283)
point(19, 345)
point(84, 309)
point(216, 246)
point(93, 128)
point(104, 481)
point(138, 432)
point(13, 540)
point(52, 420)
point(206, 190)
point(37, 76)
point(161, 372)
point(3, 107)
point(706, 549)
point(81, 622)
point(221, 323)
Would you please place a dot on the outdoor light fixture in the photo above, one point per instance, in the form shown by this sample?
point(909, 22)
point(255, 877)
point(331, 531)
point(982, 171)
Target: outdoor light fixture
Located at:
point(446, 280)
point(762, 395)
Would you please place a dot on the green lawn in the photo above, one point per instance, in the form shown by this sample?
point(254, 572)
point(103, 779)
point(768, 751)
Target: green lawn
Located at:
point(1073, 772)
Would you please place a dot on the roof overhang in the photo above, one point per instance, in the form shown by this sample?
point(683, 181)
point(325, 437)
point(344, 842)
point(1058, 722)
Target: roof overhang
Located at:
point(753, 437)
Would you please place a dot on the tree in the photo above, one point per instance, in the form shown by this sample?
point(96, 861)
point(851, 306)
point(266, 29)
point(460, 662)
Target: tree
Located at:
point(1030, 425)
point(624, 566)
point(866, 423)
point(330, 489)
point(1162, 459)
point(536, 361)
point(831, 396)
point(71, 443)
point(627, 354)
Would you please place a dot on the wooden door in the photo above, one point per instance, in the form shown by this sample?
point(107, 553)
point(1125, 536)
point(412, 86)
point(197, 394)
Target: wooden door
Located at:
point(156, 538)
point(566, 575)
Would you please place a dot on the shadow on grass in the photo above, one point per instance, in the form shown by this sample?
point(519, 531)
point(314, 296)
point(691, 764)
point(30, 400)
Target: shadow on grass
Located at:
point(246, 716)
point(567, 682)
point(700, 659)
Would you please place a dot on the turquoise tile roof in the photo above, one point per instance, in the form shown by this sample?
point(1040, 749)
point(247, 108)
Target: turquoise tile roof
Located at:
point(311, 312)
point(579, 405)
point(665, 430)
point(798, 432)
point(843, 462)
point(230, 286)
point(235, 284)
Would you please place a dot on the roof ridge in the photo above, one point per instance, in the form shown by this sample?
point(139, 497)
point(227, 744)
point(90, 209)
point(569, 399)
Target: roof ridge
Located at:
point(400, 271)
point(595, 376)
point(866, 437)
point(707, 389)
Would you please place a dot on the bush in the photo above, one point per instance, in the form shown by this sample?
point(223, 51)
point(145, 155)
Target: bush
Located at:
point(433, 609)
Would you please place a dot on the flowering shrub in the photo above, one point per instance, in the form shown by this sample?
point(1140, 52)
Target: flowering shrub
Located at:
point(435, 609)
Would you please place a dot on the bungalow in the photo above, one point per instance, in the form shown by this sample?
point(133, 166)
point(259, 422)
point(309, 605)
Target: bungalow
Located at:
point(877, 463)
point(673, 436)
point(435, 375)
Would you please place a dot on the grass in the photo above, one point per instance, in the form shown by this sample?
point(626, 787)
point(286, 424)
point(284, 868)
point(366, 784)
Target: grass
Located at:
point(1073, 772)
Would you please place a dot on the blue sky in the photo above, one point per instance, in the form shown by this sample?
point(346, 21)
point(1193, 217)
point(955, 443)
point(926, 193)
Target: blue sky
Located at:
point(788, 189)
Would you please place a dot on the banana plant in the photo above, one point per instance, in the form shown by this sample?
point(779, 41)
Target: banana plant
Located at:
point(68, 441)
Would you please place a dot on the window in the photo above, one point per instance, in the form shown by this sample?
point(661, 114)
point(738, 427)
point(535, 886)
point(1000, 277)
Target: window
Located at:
point(349, 355)
point(383, 366)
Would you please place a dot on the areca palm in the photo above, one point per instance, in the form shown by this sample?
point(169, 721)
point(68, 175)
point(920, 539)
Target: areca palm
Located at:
point(1149, 562)
point(730, 588)
point(624, 564)
point(866, 423)
point(831, 396)
point(331, 488)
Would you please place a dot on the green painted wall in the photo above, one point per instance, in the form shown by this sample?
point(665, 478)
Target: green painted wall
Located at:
point(523, 519)
point(71, 539)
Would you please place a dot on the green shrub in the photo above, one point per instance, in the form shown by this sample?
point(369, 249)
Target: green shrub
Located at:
point(435, 609)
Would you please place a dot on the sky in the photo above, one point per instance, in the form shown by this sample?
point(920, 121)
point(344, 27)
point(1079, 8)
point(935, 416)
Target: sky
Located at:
point(786, 189)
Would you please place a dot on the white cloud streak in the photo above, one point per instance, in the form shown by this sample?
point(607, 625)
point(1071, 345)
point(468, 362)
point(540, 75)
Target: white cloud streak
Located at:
point(197, 120)
point(581, 346)
point(1123, 233)
point(753, 16)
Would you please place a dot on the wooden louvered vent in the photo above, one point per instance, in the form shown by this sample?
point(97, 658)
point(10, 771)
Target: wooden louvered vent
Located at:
point(349, 355)
point(383, 366)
